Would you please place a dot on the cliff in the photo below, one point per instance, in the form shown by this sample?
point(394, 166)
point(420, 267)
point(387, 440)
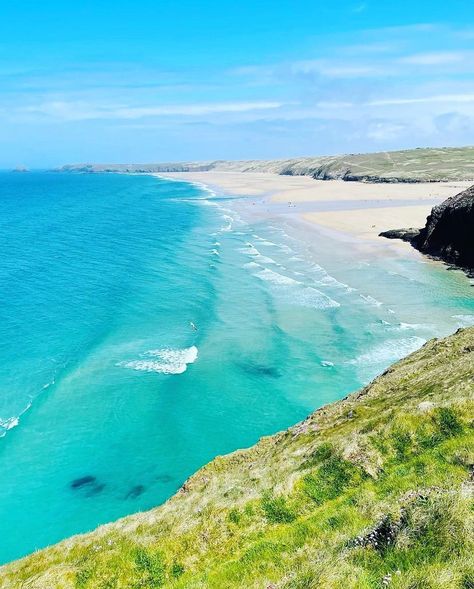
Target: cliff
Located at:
point(372, 491)
point(413, 165)
point(449, 231)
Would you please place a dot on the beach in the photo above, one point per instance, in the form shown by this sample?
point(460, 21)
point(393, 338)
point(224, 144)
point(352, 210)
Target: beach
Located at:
point(208, 320)
point(354, 209)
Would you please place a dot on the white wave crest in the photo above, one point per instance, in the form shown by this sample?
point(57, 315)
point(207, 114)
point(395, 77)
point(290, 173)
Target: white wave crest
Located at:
point(295, 292)
point(464, 320)
point(371, 300)
point(229, 224)
point(404, 326)
point(7, 424)
point(163, 361)
point(264, 241)
point(384, 354)
point(252, 265)
point(11, 422)
point(328, 280)
point(249, 250)
point(276, 278)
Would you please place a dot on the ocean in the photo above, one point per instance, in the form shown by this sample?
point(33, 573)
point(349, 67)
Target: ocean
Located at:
point(147, 327)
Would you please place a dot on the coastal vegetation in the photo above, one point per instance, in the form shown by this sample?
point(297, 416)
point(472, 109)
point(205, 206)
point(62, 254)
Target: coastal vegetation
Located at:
point(411, 165)
point(373, 491)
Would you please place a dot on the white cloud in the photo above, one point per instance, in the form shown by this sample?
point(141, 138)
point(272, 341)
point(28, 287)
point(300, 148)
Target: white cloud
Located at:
point(436, 58)
point(336, 69)
point(447, 98)
point(75, 111)
point(385, 130)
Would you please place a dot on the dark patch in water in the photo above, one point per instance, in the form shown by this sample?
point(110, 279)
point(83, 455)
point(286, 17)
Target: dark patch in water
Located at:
point(95, 489)
point(261, 370)
point(88, 484)
point(135, 492)
point(164, 478)
point(83, 481)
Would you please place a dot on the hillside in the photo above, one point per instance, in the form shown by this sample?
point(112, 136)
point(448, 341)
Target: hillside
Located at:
point(375, 490)
point(414, 165)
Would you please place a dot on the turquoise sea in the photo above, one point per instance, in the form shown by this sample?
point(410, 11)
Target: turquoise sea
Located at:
point(146, 327)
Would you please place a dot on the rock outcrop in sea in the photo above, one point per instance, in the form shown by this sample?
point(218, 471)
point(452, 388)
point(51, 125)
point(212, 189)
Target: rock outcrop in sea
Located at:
point(448, 233)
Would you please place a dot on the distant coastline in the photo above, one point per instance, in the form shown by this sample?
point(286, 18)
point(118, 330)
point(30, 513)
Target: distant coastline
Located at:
point(405, 166)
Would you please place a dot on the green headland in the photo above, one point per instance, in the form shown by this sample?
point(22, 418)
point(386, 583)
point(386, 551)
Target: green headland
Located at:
point(373, 491)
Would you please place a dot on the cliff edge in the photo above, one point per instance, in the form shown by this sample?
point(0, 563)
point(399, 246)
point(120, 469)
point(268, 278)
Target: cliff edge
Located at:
point(448, 233)
point(372, 491)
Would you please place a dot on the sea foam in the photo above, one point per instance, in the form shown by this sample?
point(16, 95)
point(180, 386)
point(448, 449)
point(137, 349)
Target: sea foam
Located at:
point(163, 361)
point(6, 424)
point(384, 354)
point(295, 291)
point(464, 320)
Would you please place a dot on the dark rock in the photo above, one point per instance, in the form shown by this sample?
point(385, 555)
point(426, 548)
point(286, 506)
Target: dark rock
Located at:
point(449, 231)
point(383, 535)
point(374, 179)
point(405, 234)
point(135, 492)
point(448, 234)
point(83, 481)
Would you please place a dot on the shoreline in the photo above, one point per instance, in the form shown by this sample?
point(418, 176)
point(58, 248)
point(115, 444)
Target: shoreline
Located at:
point(407, 330)
point(352, 209)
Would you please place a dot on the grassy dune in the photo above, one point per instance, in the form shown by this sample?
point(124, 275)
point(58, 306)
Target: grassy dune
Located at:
point(413, 165)
point(376, 490)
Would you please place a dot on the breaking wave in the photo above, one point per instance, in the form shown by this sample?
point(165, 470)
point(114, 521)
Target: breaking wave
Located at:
point(163, 361)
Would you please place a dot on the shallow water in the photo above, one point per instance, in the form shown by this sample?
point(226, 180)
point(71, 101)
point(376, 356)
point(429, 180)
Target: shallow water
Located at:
point(109, 398)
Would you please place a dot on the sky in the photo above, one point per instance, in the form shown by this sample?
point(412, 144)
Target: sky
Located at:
point(153, 80)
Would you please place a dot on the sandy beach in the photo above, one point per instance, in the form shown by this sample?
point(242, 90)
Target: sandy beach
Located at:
point(357, 209)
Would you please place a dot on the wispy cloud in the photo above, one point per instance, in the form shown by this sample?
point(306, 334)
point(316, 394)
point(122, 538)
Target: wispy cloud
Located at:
point(75, 111)
point(388, 87)
point(362, 7)
point(436, 58)
point(336, 68)
point(446, 98)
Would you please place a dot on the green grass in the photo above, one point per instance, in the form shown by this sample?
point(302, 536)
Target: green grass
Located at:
point(410, 165)
point(374, 491)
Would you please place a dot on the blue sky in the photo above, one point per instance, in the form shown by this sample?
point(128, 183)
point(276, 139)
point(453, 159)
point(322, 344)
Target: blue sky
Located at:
point(147, 80)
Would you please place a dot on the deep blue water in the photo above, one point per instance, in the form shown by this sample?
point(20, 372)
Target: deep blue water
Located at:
point(144, 329)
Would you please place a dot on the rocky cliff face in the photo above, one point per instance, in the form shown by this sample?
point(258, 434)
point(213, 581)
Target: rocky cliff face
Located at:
point(449, 231)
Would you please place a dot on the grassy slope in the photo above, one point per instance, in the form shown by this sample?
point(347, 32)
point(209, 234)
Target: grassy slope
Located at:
point(380, 483)
point(407, 165)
